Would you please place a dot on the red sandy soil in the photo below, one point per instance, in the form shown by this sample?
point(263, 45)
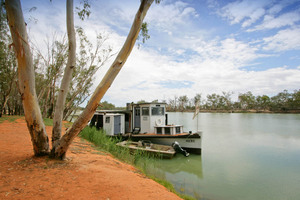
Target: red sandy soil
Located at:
point(85, 174)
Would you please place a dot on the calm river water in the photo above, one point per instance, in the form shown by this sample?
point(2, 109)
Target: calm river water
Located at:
point(244, 156)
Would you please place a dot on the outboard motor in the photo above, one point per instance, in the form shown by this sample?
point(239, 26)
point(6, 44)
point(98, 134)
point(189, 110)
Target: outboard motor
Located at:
point(178, 149)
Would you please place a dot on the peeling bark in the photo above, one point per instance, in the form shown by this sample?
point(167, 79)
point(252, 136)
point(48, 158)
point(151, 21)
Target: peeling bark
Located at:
point(26, 78)
point(86, 115)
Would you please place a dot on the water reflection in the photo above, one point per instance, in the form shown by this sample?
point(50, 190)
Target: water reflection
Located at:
point(185, 173)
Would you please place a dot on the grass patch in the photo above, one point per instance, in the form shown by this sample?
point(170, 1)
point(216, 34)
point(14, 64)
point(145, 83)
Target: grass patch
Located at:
point(171, 188)
point(108, 144)
point(48, 121)
point(138, 158)
point(10, 118)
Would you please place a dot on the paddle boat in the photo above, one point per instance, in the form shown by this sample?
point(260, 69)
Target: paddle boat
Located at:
point(146, 121)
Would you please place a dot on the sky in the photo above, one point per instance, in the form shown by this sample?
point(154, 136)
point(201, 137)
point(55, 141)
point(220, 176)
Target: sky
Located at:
point(195, 46)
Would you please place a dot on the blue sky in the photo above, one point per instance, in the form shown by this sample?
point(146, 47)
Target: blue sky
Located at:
point(203, 46)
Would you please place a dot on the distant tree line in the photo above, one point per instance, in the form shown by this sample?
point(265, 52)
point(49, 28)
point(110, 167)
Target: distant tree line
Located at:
point(104, 105)
point(247, 102)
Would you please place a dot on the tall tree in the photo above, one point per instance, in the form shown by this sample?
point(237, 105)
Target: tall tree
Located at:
point(183, 100)
point(247, 100)
point(262, 102)
point(197, 100)
point(295, 100)
point(26, 78)
point(64, 88)
point(213, 101)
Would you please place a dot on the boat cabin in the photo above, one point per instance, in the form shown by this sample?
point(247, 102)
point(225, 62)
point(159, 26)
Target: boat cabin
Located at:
point(137, 118)
point(112, 123)
point(148, 115)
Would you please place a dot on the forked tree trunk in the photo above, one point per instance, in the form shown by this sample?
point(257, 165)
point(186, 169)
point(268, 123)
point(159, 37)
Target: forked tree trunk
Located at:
point(86, 115)
point(64, 88)
point(26, 78)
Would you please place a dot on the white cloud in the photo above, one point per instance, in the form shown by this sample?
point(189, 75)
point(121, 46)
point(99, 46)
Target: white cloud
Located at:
point(167, 16)
point(254, 16)
point(270, 22)
point(288, 39)
point(217, 68)
point(275, 9)
point(237, 52)
point(246, 12)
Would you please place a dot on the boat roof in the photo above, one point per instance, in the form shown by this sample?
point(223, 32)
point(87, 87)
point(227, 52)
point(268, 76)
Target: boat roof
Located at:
point(148, 103)
point(111, 111)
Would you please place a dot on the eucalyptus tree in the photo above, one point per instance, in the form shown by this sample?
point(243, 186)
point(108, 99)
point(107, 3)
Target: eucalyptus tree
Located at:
point(226, 97)
point(281, 101)
point(172, 106)
point(26, 78)
point(263, 102)
point(32, 111)
point(295, 100)
point(183, 101)
point(212, 101)
point(197, 100)
point(66, 80)
point(247, 100)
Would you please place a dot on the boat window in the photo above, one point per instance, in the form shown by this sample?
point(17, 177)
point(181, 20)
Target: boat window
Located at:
point(107, 120)
point(157, 111)
point(167, 131)
point(137, 111)
point(177, 129)
point(159, 130)
point(145, 111)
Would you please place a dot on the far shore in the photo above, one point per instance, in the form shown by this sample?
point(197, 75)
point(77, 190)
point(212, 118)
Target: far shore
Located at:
point(243, 111)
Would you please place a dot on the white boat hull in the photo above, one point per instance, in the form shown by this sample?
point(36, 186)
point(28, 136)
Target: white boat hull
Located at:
point(189, 142)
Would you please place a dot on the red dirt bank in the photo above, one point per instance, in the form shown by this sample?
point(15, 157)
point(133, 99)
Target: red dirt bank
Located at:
point(86, 174)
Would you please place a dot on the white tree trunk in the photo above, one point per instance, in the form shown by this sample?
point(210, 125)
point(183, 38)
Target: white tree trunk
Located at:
point(64, 88)
point(82, 120)
point(26, 78)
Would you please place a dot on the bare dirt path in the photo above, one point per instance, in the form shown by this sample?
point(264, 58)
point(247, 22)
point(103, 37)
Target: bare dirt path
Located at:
point(86, 174)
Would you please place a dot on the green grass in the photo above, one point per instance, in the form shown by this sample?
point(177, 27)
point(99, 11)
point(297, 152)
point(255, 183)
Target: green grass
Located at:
point(108, 144)
point(10, 118)
point(171, 188)
point(139, 159)
point(48, 121)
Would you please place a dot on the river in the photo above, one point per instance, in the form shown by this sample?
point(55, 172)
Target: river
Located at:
point(244, 156)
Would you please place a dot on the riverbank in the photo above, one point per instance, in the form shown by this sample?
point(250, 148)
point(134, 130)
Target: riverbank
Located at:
point(86, 174)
